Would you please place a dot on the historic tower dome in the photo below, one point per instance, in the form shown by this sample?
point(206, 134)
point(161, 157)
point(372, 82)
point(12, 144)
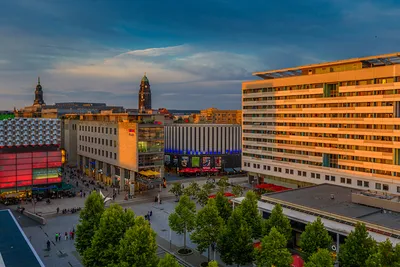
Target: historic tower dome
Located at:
point(144, 95)
point(38, 94)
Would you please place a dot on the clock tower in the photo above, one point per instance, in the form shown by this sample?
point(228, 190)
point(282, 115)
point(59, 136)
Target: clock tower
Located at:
point(144, 95)
point(38, 95)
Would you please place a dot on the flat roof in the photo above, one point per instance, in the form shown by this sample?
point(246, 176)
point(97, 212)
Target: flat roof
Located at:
point(15, 248)
point(319, 197)
point(374, 61)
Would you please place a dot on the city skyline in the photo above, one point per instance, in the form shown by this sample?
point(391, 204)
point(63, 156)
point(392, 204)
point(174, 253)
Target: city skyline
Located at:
point(195, 54)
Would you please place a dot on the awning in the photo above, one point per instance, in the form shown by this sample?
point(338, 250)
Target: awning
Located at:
point(272, 187)
point(238, 169)
point(229, 170)
point(227, 194)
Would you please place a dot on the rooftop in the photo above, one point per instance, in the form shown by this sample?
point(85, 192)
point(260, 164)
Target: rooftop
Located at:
point(365, 62)
point(319, 198)
point(15, 249)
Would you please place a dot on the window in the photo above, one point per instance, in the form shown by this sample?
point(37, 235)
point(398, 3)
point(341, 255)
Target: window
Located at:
point(275, 169)
point(359, 182)
point(91, 129)
point(366, 184)
point(98, 129)
point(342, 180)
point(115, 131)
point(245, 164)
point(258, 166)
point(268, 168)
point(95, 151)
point(287, 171)
point(106, 142)
point(110, 142)
point(398, 189)
point(348, 181)
point(327, 177)
point(106, 130)
point(299, 173)
point(115, 155)
point(115, 143)
point(304, 174)
point(318, 176)
point(279, 169)
point(264, 167)
point(291, 172)
point(102, 153)
point(312, 175)
point(95, 129)
point(110, 130)
point(110, 155)
point(106, 154)
point(102, 141)
point(333, 178)
point(378, 186)
point(385, 187)
point(254, 165)
point(102, 129)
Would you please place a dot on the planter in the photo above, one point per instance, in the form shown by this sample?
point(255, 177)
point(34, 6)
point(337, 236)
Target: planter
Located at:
point(184, 251)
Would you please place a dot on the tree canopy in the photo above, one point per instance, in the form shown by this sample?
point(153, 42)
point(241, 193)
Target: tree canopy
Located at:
point(223, 184)
point(168, 261)
point(208, 227)
point(192, 189)
point(251, 214)
point(273, 251)
point(114, 223)
point(234, 242)
point(202, 196)
point(176, 189)
point(89, 220)
point(212, 264)
point(321, 258)
point(384, 256)
point(315, 237)
point(357, 248)
point(223, 206)
point(278, 220)
point(183, 219)
point(237, 190)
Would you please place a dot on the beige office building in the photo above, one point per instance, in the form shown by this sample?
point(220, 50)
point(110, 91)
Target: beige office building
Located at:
point(336, 122)
point(119, 148)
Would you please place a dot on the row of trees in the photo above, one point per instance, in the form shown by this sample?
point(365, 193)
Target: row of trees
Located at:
point(115, 237)
point(235, 231)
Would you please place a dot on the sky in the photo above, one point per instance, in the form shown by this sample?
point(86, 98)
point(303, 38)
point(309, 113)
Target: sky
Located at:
point(195, 53)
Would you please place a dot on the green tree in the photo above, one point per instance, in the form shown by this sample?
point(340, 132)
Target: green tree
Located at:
point(223, 184)
point(192, 190)
point(209, 187)
point(385, 256)
point(114, 223)
point(234, 242)
point(273, 251)
point(321, 258)
point(168, 261)
point(278, 220)
point(223, 206)
point(314, 237)
point(138, 246)
point(237, 190)
point(212, 264)
point(176, 189)
point(183, 219)
point(202, 197)
point(357, 248)
point(251, 214)
point(89, 220)
point(208, 227)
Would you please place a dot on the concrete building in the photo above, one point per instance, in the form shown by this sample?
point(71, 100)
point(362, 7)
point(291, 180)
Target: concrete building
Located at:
point(335, 122)
point(119, 148)
point(30, 154)
point(218, 116)
point(203, 145)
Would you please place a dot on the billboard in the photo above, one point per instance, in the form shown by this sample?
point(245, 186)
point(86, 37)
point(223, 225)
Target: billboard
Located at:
point(195, 162)
point(184, 161)
point(206, 163)
point(218, 162)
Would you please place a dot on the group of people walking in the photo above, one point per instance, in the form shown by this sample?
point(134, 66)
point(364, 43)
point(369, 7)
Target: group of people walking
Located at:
point(66, 236)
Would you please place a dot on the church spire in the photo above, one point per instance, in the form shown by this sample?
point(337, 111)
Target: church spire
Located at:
point(38, 80)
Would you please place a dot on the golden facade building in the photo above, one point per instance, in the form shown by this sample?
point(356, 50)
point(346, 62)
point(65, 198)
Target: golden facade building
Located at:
point(214, 115)
point(336, 122)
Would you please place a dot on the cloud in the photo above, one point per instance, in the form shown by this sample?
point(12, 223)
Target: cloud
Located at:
point(156, 52)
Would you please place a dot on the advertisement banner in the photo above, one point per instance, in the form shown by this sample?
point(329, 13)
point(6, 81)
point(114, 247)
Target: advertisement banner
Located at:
point(167, 159)
point(195, 162)
point(218, 162)
point(206, 163)
point(184, 161)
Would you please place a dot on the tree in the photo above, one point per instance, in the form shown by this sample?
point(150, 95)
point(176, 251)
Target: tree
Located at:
point(314, 237)
point(385, 256)
point(357, 247)
point(192, 190)
point(208, 227)
point(89, 220)
point(237, 190)
point(138, 246)
point(114, 223)
point(168, 261)
point(223, 184)
point(321, 258)
point(208, 186)
point(202, 197)
point(234, 242)
point(278, 220)
point(212, 264)
point(273, 251)
point(176, 189)
point(183, 219)
point(223, 206)
point(251, 214)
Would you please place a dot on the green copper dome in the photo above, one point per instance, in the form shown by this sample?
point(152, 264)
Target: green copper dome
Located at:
point(144, 79)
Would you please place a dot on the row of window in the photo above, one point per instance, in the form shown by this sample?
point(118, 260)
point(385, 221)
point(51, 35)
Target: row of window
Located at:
point(331, 178)
point(320, 115)
point(325, 105)
point(99, 141)
point(98, 152)
point(313, 163)
point(324, 125)
point(97, 129)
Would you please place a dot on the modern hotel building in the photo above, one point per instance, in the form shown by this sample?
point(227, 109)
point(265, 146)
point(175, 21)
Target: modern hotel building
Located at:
point(335, 122)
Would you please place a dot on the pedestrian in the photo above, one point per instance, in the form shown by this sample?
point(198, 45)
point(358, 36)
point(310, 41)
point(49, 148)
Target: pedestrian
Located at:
point(159, 199)
point(48, 245)
point(73, 235)
point(66, 235)
point(151, 213)
point(84, 194)
point(70, 235)
point(59, 236)
point(56, 237)
point(58, 210)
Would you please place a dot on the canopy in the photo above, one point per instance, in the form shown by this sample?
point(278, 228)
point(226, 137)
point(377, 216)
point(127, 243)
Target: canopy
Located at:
point(229, 170)
point(272, 187)
point(226, 194)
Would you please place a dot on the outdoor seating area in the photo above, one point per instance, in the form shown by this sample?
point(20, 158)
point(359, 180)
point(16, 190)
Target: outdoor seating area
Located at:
point(198, 171)
point(271, 188)
point(149, 173)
